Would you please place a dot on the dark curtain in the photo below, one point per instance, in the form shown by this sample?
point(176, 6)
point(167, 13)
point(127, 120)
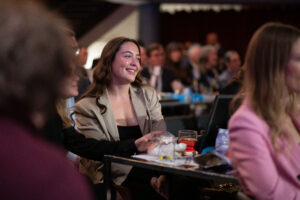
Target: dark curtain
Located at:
point(234, 28)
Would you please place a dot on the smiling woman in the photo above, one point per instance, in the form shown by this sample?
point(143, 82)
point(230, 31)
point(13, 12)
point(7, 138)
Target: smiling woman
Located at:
point(118, 107)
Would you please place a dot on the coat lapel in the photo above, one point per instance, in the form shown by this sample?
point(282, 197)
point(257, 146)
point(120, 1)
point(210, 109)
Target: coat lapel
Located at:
point(140, 108)
point(108, 117)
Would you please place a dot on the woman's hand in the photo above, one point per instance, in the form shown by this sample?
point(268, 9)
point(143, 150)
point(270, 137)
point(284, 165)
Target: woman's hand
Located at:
point(144, 142)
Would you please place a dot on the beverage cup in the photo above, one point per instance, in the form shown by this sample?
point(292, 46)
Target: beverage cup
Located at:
point(167, 146)
point(188, 137)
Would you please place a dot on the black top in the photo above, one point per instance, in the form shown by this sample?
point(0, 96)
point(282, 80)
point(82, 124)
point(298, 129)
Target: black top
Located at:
point(52, 130)
point(86, 147)
point(129, 132)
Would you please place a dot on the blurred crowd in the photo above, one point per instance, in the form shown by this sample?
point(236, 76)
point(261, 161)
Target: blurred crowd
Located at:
point(205, 69)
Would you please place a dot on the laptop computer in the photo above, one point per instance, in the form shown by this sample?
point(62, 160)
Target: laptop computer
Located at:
point(219, 118)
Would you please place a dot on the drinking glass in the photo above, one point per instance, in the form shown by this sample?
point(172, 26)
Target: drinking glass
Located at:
point(188, 137)
point(166, 146)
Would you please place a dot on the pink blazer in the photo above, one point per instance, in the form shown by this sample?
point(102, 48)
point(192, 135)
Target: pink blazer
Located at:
point(263, 173)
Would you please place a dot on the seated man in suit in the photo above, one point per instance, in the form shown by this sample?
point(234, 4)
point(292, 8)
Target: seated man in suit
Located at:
point(158, 76)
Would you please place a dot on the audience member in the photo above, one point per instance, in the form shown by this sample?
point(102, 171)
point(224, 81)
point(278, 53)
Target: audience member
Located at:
point(158, 76)
point(60, 130)
point(143, 57)
point(193, 66)
point(208, 60)
point(212, 38)
point(91, 70)
point(64, 105)
point(83, 56)
point(174, 62)
point(81, 53)
point(234, 86)
point(264, 131)
point(143, 54)
point(53, 127)
point(233, 65)
point(35, 61)
point(117, 107)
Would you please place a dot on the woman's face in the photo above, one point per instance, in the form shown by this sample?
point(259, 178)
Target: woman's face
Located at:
point(175, 56)
point(70, 88)
point(126, 64)
point(292, 74)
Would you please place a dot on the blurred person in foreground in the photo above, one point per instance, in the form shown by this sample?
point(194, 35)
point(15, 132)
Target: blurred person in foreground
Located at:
point(264, 132)
point(34, 63)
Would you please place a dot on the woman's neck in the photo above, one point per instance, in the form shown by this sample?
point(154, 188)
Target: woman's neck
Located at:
point(118, 90)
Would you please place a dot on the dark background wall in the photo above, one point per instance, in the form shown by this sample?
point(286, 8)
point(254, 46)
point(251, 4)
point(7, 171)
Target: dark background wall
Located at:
point(234, 28)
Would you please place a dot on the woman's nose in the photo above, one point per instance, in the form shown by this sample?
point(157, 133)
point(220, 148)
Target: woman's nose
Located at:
point(134, 61)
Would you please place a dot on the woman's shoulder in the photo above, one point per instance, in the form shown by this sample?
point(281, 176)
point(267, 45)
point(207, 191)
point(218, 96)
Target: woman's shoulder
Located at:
point(145, 89)
point(245, 117)
point(86, 101)
point(148, 89)
point(85, 104)
point(149, 92)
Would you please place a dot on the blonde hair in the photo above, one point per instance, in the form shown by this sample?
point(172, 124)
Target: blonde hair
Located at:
point(61, 108)
point(264, 83)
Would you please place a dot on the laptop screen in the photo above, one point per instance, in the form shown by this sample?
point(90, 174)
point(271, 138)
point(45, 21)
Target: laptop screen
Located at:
point(219, 118)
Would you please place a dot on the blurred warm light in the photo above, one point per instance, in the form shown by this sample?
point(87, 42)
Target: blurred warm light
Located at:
point(172, 8)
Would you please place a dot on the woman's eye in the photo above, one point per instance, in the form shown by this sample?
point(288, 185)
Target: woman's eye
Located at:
point(127, 56)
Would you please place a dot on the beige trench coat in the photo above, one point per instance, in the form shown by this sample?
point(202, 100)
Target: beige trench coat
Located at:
point(93, 124)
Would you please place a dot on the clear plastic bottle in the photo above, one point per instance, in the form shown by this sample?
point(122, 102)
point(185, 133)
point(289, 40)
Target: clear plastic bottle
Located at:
point(222, 141)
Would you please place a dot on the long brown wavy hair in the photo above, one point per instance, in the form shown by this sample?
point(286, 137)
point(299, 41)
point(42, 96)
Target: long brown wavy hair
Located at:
point(103, 71)
point(265, 82)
